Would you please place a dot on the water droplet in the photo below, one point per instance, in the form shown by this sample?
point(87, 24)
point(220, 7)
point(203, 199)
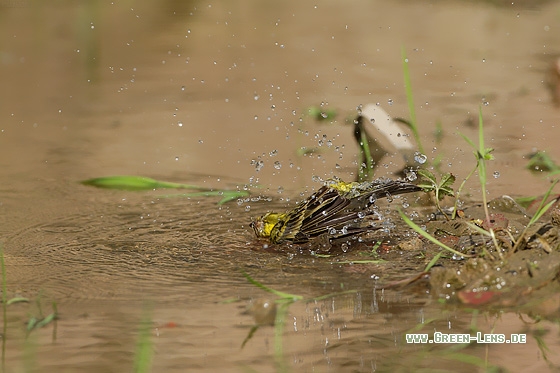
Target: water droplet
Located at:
point(176, 158)
point(390, 101)
point(361, 214)
point(420, 158)
point(259, 164)
point(344, 247)
point(256, 97)
point(180, 124)
point(273, 153)
point(359, 110)
point(332, 231)
point(457, 257)
point(200, 141)
point(496, 174)
point(247, 208)
point(411, 175)
point(277, 165)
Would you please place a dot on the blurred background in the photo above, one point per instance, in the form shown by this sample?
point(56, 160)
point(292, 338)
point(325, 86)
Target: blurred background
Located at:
point(177, 88)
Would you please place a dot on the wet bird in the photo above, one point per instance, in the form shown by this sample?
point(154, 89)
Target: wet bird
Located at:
point(336, 210)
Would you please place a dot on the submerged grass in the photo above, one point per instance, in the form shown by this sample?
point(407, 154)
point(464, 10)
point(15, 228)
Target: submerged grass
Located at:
point(41, 321)
point(143, 355)
point(542, 162)
point(34, 322)
point(281, 307)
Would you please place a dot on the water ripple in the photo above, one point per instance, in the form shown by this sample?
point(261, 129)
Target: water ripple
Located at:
point(129, 251)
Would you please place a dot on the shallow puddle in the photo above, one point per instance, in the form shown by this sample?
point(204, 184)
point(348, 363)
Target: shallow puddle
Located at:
point(215, 94)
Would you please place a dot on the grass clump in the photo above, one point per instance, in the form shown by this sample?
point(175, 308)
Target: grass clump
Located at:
point(444, 186)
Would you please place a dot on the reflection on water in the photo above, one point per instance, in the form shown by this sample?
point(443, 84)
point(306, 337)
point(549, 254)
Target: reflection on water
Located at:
point(204, 92)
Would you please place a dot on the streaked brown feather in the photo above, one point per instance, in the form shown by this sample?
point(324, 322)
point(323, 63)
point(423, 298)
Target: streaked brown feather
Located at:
point(329, 209)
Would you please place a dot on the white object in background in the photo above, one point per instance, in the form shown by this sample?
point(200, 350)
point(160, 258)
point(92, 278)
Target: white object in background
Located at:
point(393, 137)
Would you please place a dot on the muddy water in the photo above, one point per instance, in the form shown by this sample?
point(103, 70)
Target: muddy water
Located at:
point(207, 93)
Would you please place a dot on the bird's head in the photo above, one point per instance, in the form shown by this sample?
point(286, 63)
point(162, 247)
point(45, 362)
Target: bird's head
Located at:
point(264, 224)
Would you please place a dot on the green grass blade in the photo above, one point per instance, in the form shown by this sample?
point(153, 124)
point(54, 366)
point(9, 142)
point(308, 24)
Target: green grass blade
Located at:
point(280, 294)
point(479, 230)
point(32, 324)
point(433, 261)
point(144, 348)
point(279, 323)
point(428, 236)
point(46, 321)
point(468, 141)
point(125, 182)
point(544, 208)
point(366, 174)
point(482, 150)
point(17, 300)
point(139, 183)
point(250, 335)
